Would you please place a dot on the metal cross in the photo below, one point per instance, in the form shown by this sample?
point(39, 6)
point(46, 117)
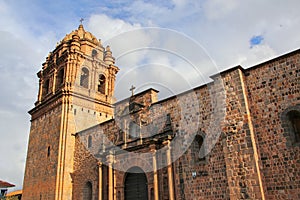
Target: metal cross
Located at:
point(132, 89)
point(81, 20)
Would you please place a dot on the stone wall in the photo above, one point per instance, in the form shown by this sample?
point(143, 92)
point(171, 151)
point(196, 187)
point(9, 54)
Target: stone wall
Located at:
point(247, 152)
point(41, 166)
point(85, 170)
point(273, 88)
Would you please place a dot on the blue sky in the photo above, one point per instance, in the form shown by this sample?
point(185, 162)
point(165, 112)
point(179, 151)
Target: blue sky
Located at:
point(213, 34)
point(256, 40)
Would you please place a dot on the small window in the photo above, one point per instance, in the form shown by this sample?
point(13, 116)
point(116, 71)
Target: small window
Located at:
point(197, 149)
point(294, 123)
point(48, 151)
point(101, 84)
point(94, 52)
point(90, 141)
point(134, 130)
point(84, 77)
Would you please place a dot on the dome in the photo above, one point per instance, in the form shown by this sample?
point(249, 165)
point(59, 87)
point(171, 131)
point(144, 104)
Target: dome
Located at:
point(83, 35)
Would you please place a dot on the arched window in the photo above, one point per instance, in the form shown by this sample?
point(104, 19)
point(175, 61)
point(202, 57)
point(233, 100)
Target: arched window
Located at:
point(294, 124)
point(87, 191)
point(90, 142)
point(101, 84)
point(134, 130)
point(46, 87)
point(197, 149)
point(60, 77)
point(84, 77)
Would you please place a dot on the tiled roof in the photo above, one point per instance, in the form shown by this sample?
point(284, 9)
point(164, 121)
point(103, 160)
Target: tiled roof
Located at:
point(4, 184)
point(14, 193)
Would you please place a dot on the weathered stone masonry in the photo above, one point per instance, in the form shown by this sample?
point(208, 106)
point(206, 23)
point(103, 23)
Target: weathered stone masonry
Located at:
point(254, 157)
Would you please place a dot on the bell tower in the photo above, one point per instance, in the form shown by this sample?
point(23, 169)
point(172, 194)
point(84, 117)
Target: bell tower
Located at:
point(76, 91)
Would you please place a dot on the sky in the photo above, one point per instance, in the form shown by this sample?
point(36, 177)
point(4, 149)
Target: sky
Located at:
point(170, 45)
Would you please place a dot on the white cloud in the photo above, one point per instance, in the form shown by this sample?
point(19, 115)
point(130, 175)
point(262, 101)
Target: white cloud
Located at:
point(118, 35)
point(258, 52)
point(18, 87)
point(217, 9)
point(21, 55)
point(228, 36)
point(158, 49)
point(106, 27)
point(180, 3)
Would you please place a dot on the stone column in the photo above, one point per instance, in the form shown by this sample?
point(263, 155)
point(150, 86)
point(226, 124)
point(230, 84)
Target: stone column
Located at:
point(114, 184)
point(100, 181)
point(110, 177)
point(40, 94)
point(170, 170)
point(54, 81)
point(140, 130)
point(125, 133)
point(155, 178)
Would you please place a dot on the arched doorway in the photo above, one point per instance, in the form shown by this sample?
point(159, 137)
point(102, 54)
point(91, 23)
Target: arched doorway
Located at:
point(136, 187)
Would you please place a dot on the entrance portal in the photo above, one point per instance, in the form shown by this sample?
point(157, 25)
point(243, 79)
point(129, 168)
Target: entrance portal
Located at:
point(136, 187)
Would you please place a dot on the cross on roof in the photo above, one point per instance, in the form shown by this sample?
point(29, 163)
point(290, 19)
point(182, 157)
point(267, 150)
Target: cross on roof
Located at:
point(132, 90)
point(81, 20)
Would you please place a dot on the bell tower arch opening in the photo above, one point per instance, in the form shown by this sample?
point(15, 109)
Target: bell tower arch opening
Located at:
point(60, 78)
point(101, 84)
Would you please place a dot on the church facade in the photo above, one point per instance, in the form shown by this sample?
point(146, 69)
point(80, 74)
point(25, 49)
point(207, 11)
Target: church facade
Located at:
point(237, 137)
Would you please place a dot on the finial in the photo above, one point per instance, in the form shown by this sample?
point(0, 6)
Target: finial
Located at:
point(132, 90)
point(108, 48)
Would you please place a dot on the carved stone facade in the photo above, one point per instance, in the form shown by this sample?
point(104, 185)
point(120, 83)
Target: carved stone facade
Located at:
point(234, 138)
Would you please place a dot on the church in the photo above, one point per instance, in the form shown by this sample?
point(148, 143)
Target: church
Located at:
point(237, 137)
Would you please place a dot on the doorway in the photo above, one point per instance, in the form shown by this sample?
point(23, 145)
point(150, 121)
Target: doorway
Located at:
point(136, 185)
